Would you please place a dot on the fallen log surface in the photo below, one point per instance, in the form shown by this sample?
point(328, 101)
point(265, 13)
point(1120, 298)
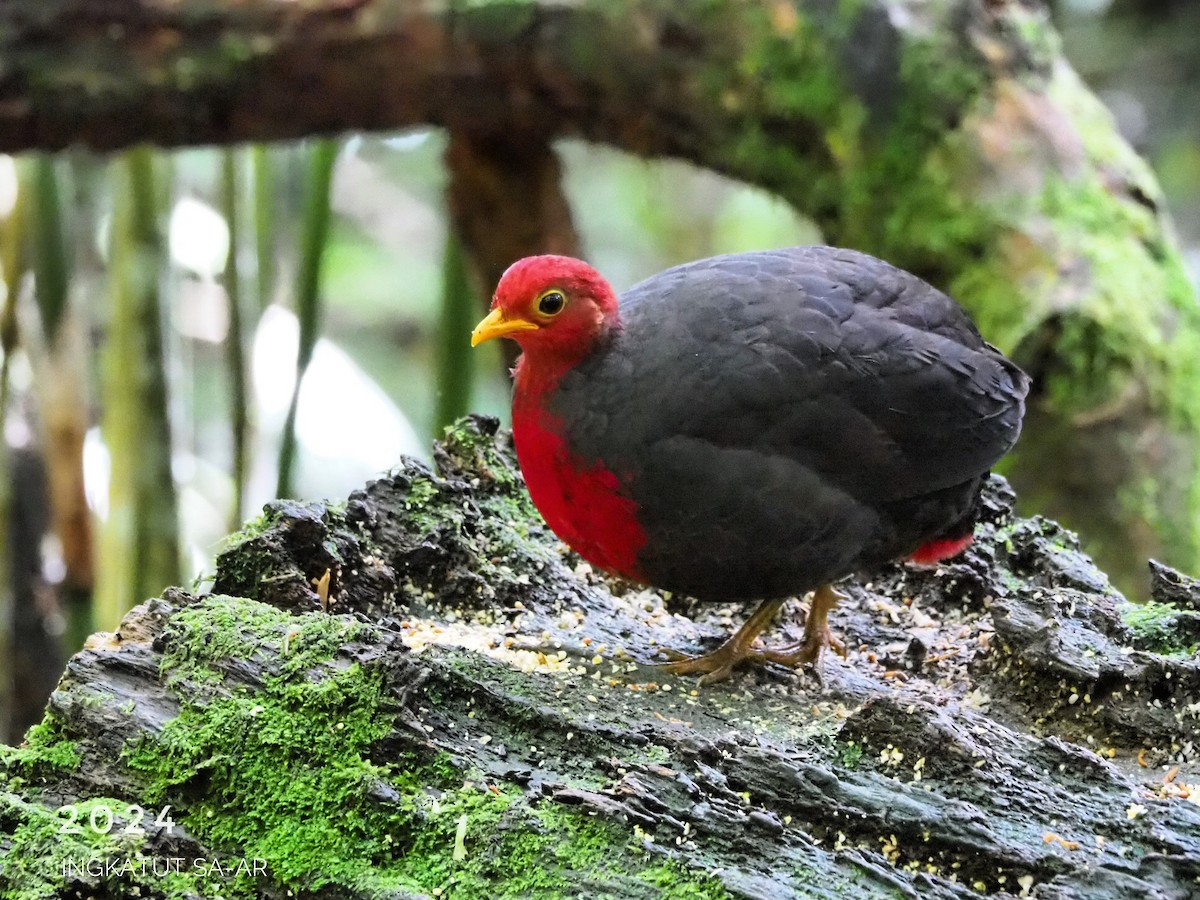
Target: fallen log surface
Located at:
point(420, 693)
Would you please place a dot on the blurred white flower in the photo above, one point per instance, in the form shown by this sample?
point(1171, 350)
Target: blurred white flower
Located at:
point(198, 238)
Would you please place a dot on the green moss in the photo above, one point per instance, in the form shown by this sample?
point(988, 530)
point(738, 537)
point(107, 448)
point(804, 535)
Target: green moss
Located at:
point(788, 77)
point(676, 882)
point(888, 178)
point(39, 847)
point(330, 514)
point(428, 510)
point(317, 822)
point(987, 285)
point(905, 200)
point(1090, 253)
point(51, 848)
point(511, 850)
point(420, 492)
point(47, 754)
point(1180, 388)
point(791, 67)
point(506, 849)
point(1157, 627)
point(1106, 216)
point(1097, 128)
point(46, 743)
point(1137, 324)
point(252, 528)
point(290, 774)
point(1037, 37)
point(851, 755)
point(218, 629)
point(508, 518)
point(655, 753)
point(501, 492)
point(275, 774)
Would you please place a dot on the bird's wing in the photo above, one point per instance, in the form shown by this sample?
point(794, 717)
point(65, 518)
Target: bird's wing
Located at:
point(844, 365)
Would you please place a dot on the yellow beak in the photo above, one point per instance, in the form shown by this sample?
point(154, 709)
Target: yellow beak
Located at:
point(496, 325)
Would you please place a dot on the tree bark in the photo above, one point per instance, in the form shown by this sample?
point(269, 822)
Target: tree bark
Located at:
point(420, 693)
point(504, 196)
point(949, 137)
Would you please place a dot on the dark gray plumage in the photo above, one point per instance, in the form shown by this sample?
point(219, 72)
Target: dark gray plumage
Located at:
point(785, 418)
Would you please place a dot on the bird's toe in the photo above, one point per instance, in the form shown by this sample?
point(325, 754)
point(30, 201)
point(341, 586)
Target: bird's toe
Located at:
point(712, 667)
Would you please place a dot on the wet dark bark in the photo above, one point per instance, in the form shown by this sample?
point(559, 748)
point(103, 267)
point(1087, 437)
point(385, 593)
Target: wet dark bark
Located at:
point(1004, 723)
point(505, 199)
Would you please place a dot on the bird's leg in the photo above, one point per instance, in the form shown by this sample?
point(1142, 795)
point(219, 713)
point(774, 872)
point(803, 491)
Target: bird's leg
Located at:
point(817, 635)
point(719, 664)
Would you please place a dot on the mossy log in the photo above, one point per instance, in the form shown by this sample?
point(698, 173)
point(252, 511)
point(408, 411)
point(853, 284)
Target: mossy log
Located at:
point(420, 693)
point(950, 137)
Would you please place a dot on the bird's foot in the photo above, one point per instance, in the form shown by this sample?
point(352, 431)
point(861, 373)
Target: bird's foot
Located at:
point(711, 667)
point(720, 663)
point(801, 653)
point(817, 635)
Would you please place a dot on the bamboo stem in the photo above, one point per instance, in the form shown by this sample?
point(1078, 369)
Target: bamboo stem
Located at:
point(455, 368)
point(141, 536)
point(263, 192)
point(60, 357)
point(235, 340)
point(10, 255)
point(50, 267)
point(314, 235)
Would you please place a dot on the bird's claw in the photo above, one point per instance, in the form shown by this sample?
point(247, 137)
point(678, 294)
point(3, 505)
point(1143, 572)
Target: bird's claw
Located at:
point(803, 653)
point(711, 667)
point(719, 664)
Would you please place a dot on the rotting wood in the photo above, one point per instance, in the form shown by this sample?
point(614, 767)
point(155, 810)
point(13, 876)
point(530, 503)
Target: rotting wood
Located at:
point(1000, 728)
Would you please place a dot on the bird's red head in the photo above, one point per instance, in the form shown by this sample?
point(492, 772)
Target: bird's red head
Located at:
point(553, 306)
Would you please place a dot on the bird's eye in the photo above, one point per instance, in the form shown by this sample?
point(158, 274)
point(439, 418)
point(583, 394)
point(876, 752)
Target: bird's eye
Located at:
point(551, 303)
